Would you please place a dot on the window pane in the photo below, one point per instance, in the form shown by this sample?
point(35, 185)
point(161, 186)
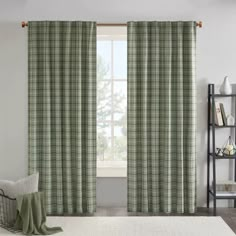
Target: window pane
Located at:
point(104, 100)
point(104, 151)
point(120, 59)
point(120, 100)
point(104, 60)
point(120, 143)
point(112, 100)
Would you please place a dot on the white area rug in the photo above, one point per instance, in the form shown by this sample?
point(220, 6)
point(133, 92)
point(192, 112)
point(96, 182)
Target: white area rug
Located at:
point(139, 226)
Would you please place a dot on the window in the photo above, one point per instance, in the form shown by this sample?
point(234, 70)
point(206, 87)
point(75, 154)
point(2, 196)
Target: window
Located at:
point(111, 101)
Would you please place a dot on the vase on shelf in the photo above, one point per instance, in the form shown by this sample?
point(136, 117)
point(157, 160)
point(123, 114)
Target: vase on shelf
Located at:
point(226, 87)
point(230, 120)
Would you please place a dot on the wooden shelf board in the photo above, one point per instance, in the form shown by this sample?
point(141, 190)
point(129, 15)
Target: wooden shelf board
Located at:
point(224, 126)
point(223, 95)
point(224, 195)
point(225, 157)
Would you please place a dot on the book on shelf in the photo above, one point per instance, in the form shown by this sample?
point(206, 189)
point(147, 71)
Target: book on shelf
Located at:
point(223, 113)
point(218, 114)
point(226, 186)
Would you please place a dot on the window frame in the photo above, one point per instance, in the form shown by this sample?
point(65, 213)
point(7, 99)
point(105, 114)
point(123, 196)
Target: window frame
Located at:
point(112, 33)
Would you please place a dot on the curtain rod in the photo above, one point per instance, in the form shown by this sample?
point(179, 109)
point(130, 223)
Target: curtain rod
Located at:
point(25, 24)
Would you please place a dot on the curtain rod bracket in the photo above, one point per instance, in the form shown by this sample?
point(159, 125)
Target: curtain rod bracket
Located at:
point(24, 24)
point(199, 24)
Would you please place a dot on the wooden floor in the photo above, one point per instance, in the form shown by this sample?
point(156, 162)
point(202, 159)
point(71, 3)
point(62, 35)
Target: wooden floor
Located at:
point(228, 214)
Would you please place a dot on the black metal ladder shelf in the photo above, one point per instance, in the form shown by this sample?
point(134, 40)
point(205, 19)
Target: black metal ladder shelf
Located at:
point(211, 155)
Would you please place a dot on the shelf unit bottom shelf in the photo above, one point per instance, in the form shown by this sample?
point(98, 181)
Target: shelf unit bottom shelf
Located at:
point(224, 195)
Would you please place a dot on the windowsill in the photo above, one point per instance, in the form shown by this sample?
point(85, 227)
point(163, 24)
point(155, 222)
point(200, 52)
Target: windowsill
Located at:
point(112, 169)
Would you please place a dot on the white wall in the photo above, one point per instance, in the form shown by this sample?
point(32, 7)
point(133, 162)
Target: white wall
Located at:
point(216, 57)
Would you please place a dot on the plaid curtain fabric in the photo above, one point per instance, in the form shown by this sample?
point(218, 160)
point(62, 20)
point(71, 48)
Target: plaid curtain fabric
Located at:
point(62, 113)
point(161, 117)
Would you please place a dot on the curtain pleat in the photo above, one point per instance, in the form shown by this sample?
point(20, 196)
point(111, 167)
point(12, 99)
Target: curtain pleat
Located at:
point(161, 117)
point(62, 113)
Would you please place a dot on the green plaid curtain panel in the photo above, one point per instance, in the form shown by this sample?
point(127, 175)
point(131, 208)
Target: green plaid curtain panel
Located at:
point(62, 113)
point(161, 117)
